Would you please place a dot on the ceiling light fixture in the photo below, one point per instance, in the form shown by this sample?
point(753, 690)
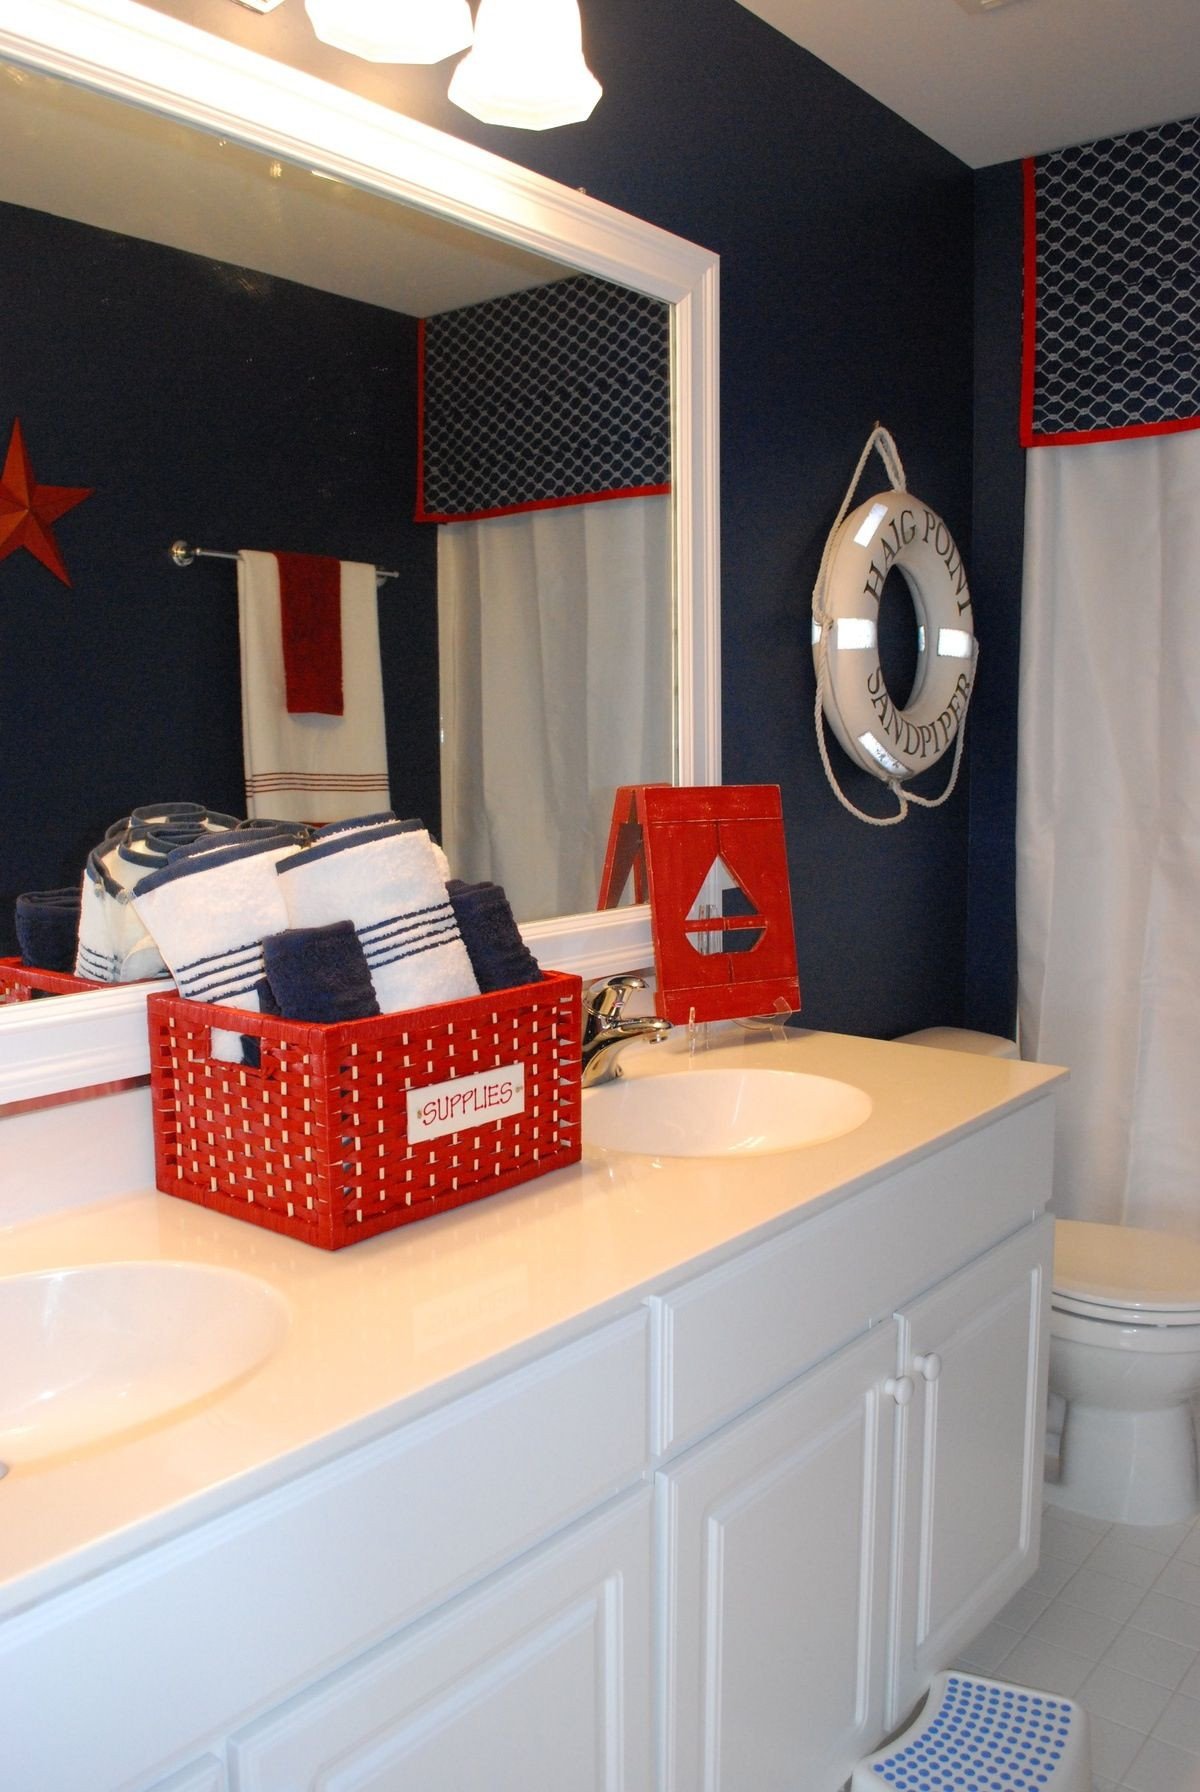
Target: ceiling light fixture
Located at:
point(392, 30)
point(526, 67)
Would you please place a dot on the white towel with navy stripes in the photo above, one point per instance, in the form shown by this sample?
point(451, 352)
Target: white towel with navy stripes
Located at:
point(389, 881)
point(310, 768)
point(209, 912)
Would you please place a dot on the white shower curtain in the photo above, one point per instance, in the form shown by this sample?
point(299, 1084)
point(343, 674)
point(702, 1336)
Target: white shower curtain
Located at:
point(555, 643)
point(1108, 832)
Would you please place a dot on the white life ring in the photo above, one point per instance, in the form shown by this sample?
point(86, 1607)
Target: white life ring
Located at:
point(894, 530)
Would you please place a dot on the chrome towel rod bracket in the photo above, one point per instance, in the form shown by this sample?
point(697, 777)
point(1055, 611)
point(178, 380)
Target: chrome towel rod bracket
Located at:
point(183, 554)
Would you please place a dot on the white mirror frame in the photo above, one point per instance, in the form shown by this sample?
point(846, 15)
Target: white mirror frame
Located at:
point(76, 1042)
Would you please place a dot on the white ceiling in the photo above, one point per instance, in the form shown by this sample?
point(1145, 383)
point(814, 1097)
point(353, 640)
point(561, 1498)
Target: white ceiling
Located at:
point(1016, 80)
point(82, 155)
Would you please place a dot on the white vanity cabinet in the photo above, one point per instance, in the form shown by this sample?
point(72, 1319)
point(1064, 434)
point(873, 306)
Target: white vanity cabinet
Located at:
point(717, 1536)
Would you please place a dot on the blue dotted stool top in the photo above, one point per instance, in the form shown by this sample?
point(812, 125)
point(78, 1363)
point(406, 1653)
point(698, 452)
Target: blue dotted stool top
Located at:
point(983, 1737)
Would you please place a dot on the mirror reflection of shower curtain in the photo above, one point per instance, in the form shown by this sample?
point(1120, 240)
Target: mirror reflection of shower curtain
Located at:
point(555, 644)
point(1108, 831)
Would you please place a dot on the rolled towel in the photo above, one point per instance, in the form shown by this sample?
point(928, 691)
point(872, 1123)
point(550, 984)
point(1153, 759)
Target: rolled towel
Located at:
point(388, 881)
point(209, 914)
point(48, 928)
point(154, 817)
point(319, 974)
point(113, 945)
point(499, 956)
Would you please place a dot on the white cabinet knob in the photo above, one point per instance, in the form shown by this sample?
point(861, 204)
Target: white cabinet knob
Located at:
point(900, 1387)
point(929, 1366)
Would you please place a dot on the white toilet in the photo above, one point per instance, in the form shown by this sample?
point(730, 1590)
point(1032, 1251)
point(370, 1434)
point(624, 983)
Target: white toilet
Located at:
point(1124, 1357)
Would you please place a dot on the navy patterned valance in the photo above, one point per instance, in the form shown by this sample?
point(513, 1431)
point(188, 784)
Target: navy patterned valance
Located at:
point(1112, 288)
point(558, 395)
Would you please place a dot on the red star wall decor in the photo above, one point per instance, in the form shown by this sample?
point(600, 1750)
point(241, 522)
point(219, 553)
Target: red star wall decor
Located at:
point(27, 509)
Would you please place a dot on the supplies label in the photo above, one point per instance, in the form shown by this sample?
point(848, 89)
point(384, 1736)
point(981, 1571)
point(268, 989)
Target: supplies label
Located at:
point(466, 1101)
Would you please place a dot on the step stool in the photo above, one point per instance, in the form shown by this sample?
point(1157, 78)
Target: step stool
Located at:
point(976, 1735)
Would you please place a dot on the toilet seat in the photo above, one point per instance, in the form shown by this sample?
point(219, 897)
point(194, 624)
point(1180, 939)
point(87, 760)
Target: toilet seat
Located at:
point(1125, 1275)
point(1120, 1313)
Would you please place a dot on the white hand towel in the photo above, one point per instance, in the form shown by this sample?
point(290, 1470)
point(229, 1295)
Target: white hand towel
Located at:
point(310, 768)
point(209, 913)
point(388, 881)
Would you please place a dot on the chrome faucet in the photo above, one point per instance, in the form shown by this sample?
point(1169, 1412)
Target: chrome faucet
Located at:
point(606, 1027)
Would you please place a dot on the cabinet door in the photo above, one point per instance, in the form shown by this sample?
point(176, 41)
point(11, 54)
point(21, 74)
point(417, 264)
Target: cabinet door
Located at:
point(775, 1535)
point(542, 1679)
point(969, 1486)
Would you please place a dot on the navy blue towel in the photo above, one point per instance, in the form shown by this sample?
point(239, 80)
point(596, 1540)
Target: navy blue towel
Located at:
point(499, 956)
point(48, 928)
point(319, 974)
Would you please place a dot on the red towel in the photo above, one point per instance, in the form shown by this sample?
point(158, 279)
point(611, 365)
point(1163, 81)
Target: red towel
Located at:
point(310, 619)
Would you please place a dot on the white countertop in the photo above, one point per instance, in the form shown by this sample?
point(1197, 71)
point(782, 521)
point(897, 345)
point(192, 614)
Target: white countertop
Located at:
point(386, 1329)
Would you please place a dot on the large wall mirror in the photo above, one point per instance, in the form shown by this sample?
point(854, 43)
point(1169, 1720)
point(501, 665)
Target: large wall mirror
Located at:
point(291, 176)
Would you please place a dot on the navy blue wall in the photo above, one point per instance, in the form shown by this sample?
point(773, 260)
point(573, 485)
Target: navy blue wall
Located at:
point(999, 520)
point(846, 246)
point(221, 406)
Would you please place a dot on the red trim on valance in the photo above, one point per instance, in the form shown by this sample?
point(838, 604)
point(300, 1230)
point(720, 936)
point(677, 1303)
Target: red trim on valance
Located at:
point(480, 516)
point(1029, 334)
point(1173, 426)
point(419, 513)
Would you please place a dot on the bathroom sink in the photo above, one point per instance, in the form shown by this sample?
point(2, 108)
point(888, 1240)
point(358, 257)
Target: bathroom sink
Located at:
point(720, 1113)
point(94, 1351)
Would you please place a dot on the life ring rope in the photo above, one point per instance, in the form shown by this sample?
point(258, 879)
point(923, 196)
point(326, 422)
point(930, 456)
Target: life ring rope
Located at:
point(880, 440)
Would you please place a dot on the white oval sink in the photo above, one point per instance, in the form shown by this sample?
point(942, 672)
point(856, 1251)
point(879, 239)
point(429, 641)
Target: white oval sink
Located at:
point(720, 1113)
point(90, 1352)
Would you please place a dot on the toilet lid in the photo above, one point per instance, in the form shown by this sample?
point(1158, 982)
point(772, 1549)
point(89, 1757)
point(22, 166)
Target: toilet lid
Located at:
point(1152, 1274)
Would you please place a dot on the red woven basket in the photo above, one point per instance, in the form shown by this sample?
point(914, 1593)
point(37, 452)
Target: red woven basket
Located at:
point(20, 982)
point(348, 1130)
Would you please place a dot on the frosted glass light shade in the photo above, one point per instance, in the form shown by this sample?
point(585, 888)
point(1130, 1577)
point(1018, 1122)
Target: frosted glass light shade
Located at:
point(392, 30)
point(526, 67)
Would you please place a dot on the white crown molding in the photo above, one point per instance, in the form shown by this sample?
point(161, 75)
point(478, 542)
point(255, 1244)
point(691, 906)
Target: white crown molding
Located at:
point(147, 59)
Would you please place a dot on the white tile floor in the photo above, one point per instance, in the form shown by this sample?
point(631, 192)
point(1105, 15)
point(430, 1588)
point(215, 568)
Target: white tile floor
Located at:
point(1112, 1619)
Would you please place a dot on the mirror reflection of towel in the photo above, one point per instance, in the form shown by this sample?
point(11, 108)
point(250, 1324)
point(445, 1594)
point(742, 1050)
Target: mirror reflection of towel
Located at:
point(310, 767)
point(310, 624)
